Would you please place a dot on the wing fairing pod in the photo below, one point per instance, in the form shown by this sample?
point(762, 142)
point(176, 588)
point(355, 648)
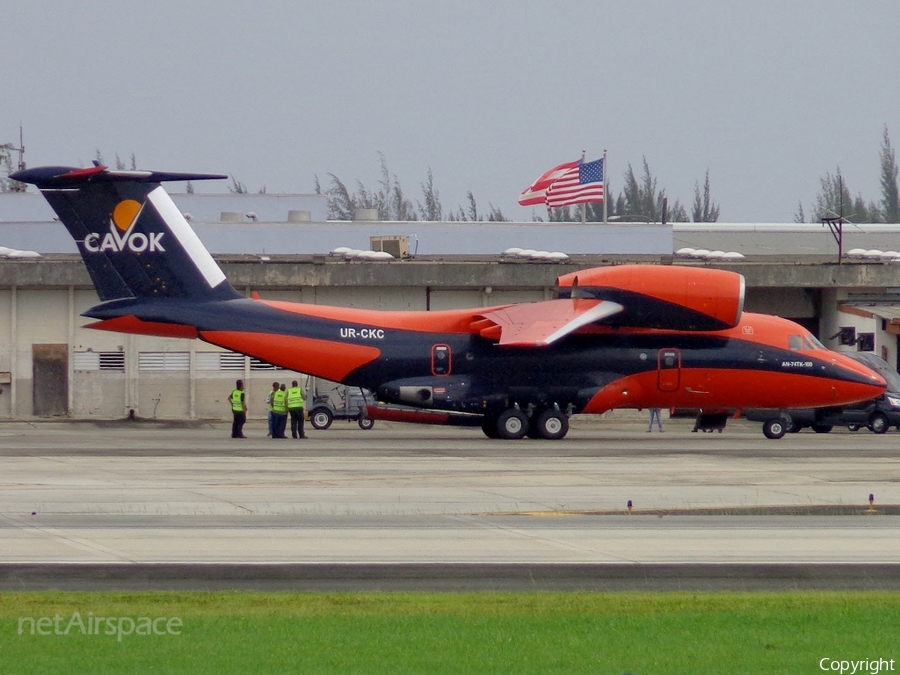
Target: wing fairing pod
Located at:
point(664, 297)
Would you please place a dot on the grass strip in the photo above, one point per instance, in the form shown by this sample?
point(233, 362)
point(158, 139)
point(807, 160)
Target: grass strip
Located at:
point(615, 633)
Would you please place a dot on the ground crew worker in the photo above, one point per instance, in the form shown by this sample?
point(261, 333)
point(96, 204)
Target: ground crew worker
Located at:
point(279, 411)
point(238, 409)
point(269, 398)
point(295, 408)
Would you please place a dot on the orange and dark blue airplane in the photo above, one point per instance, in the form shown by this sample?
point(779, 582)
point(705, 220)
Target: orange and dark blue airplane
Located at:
point(629, 336)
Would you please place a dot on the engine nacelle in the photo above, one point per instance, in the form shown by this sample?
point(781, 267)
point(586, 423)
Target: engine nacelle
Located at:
point(660, 296)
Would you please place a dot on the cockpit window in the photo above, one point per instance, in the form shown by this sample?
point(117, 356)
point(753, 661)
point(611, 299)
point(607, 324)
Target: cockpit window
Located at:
point(804, 343)
point(814, 343)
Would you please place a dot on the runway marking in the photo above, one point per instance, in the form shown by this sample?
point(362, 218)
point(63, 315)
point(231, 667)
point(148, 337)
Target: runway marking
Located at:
point(549, 540)
point(72, 542)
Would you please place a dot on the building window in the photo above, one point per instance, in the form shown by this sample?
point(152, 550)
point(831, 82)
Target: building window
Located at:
point(866, 342)
point(256, 364)
point(164, 361)
point(93, 361)
point(218, 361)
point(847, 336)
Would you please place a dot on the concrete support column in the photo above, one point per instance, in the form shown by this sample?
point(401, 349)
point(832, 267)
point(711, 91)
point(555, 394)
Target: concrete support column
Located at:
point(132, 375)
point(247, 396)
point(13, 351)
point(70, 339)
point(192, 380)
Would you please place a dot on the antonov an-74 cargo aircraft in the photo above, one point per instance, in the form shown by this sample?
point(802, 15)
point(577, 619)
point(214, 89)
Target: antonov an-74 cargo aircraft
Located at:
point(630, 336)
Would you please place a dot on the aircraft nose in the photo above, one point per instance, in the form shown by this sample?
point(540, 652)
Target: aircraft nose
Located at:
point(857, 381)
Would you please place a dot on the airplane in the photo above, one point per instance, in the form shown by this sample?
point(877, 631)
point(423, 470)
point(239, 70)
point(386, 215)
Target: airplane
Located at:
point(627, 336)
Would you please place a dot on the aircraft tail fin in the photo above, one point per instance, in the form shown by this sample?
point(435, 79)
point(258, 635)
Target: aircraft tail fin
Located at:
point(132, 238)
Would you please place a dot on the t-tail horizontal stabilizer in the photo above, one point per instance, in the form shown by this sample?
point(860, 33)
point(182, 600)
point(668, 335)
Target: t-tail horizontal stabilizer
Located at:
point(133, 239)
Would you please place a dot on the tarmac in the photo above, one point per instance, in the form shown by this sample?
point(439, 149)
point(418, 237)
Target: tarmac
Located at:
point(176, 505)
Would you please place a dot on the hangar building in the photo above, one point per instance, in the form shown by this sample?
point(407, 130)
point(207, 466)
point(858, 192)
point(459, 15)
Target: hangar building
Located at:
point(279, 246)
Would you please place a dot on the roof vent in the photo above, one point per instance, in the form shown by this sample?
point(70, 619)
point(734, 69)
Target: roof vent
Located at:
point(298, 216)
point(366, 215)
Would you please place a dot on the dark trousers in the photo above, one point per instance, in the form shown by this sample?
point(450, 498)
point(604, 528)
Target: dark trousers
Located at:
point(280, 424)
point(297, 422)
point(237, 426)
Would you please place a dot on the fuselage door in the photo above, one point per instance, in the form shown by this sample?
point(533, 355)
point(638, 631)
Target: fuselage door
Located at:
point(669, 370)
point(440, 360)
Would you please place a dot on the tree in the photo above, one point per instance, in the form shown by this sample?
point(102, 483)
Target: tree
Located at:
point(834, 200)
point(473, 207)
point(642, 199)
point(237, 187)
point(340, 202)
point(120, 165)
point(391, 201)
point(431, 209)
point(495, 215)
point(705, 210)
point(890, 197)
point(5, 167)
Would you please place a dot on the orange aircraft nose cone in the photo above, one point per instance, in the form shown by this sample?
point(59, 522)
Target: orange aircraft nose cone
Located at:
point(859, 383)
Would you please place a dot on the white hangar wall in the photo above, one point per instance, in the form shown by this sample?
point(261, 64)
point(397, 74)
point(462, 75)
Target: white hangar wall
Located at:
point(109, 374)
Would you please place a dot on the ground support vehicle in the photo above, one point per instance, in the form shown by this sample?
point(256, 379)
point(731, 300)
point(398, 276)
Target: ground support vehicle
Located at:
point(341, 403)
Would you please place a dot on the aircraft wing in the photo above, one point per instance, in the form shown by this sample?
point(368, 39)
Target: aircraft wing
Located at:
point(538, 324)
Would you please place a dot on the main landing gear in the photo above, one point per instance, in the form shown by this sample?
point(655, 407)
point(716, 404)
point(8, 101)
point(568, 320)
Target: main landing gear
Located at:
point(513, 423)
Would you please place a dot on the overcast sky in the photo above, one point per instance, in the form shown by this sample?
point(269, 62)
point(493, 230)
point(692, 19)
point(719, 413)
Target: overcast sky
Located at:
point(767, 95)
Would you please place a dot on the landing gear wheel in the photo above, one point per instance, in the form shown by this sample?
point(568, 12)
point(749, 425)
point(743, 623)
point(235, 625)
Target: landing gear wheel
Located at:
point(489, 427)
point(853, 427)
point(774, 428)
point(365, 423)
point(822, 428)
point(794, 428)
point(552, 425)
point(878, 423)
point(512, 424)
point(321, 418)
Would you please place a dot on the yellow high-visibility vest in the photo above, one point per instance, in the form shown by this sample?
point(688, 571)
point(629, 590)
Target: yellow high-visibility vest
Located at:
point(278, 401)
point(295, 397)
point(237, 400)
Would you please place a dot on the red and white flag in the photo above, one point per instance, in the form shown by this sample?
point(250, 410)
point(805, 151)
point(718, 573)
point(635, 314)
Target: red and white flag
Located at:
point(536, 193)
point(579, 185)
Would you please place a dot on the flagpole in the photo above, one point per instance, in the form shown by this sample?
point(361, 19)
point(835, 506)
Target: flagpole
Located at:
point(583, 206)
point(605, 191)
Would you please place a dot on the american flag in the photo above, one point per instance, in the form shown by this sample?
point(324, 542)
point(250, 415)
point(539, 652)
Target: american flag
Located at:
point(578, 185)
point(536, 193)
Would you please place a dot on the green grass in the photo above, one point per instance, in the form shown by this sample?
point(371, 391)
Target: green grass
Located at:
point(638, 633)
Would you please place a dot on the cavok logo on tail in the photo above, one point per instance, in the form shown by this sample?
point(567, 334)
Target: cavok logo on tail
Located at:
point(120, 236)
